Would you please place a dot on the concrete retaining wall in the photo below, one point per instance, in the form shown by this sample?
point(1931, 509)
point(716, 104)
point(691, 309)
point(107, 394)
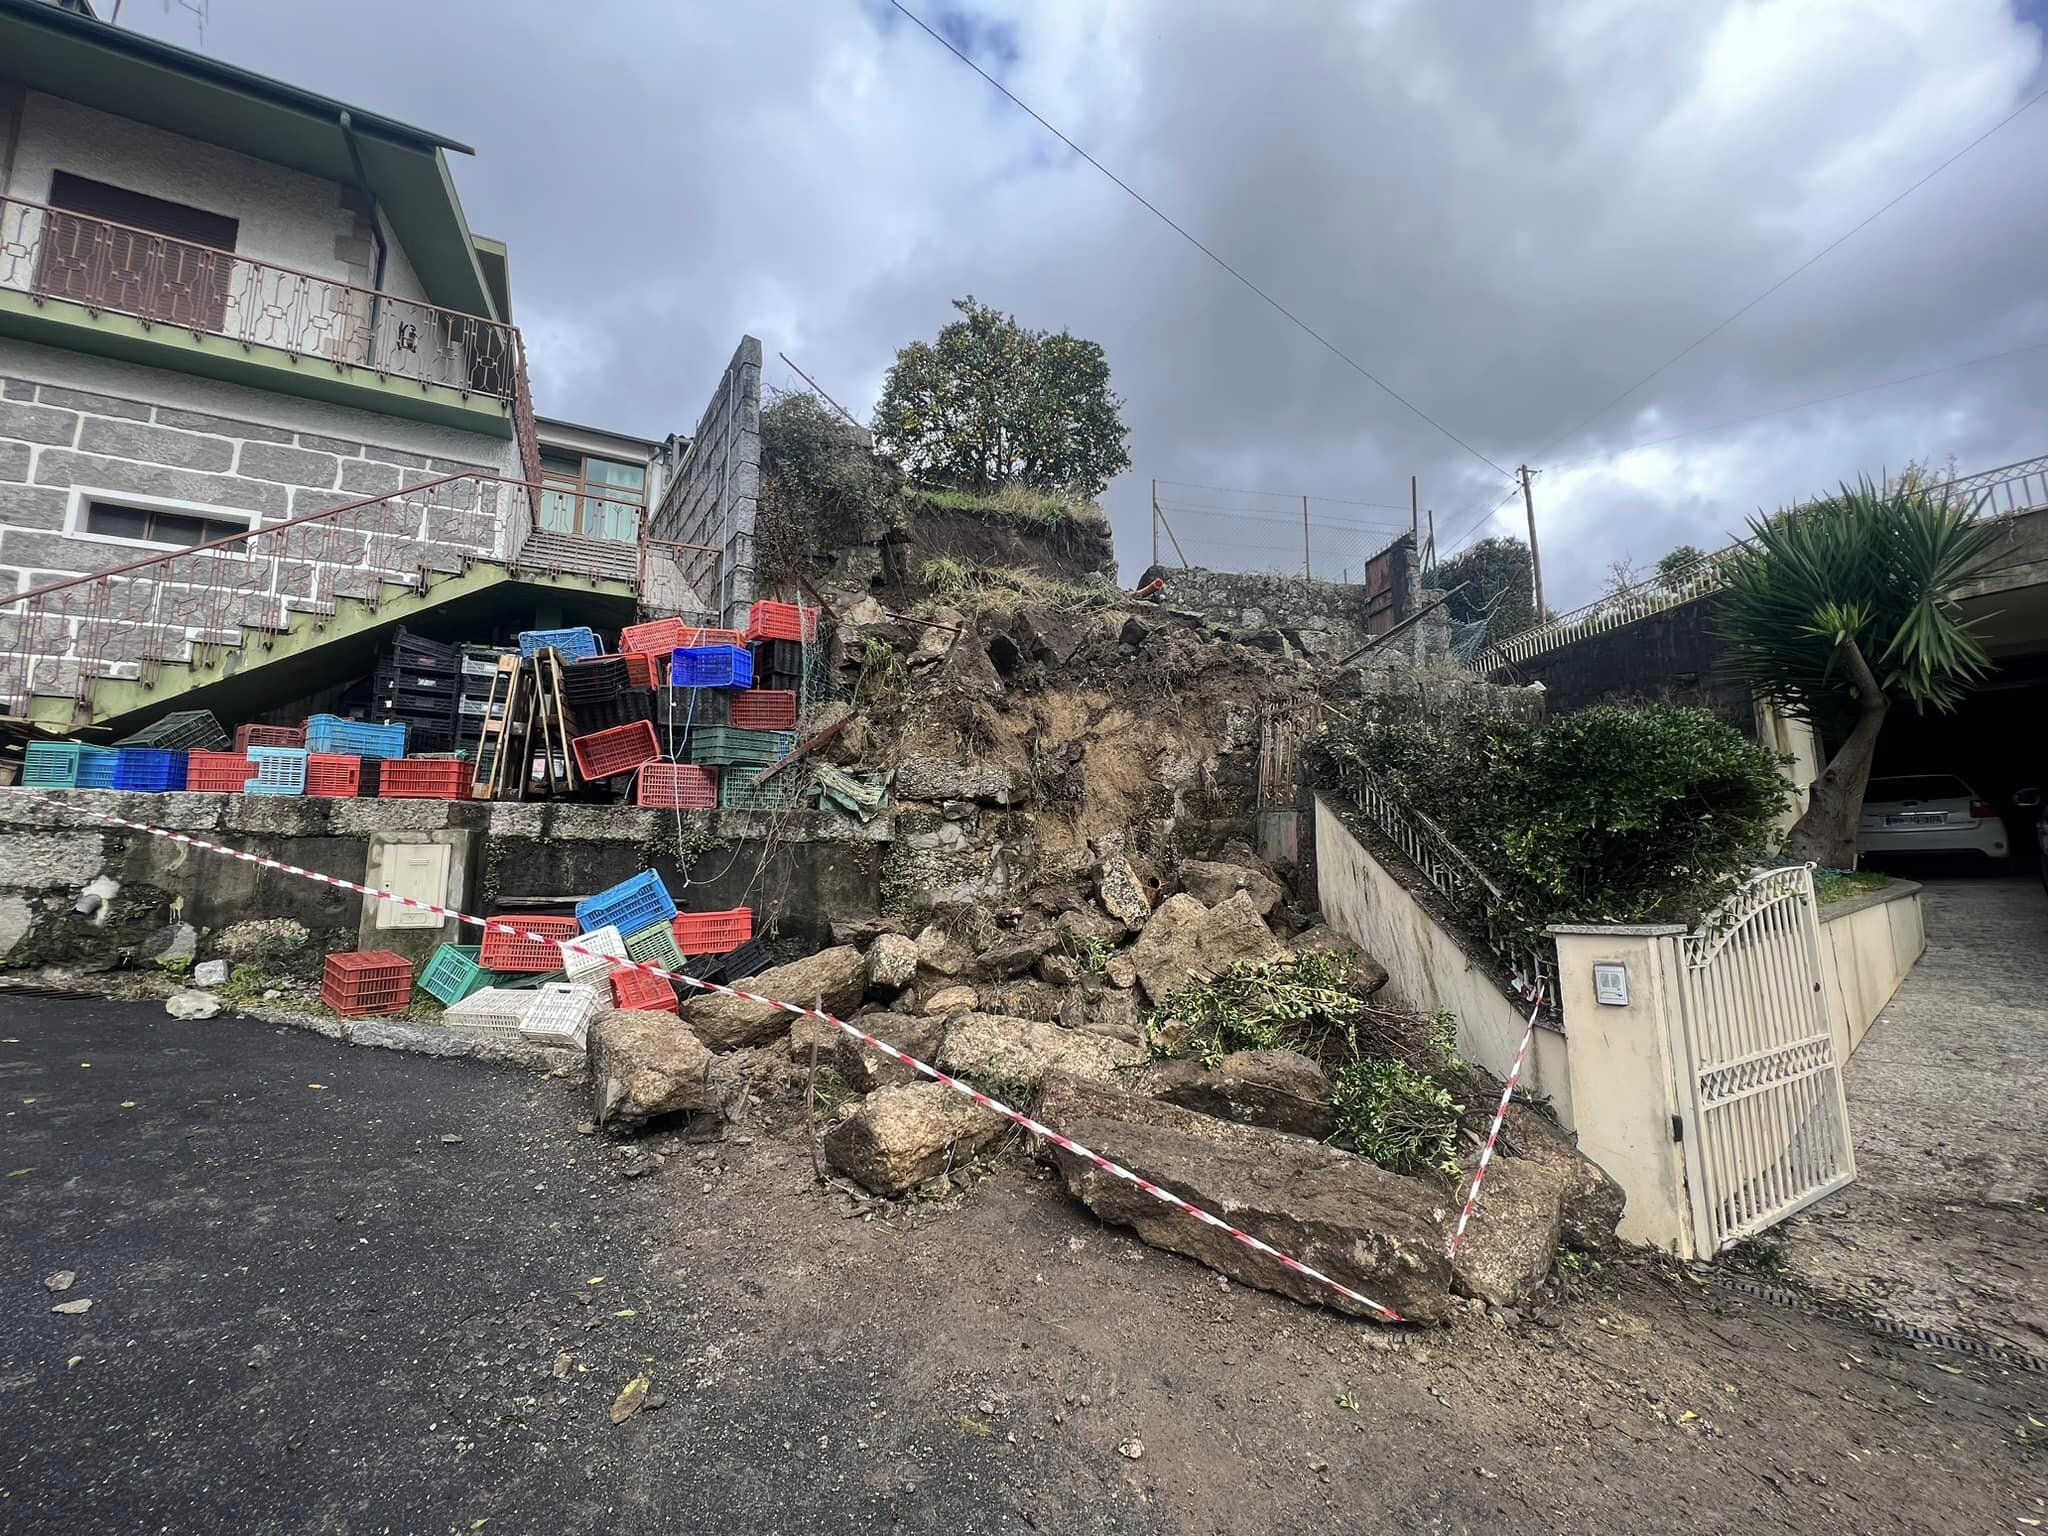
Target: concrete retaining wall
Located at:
point(1427, 967)
point(799, 872)
point(1867, 946)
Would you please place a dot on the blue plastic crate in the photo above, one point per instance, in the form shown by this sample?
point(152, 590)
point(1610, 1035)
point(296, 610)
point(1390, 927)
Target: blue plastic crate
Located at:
point(67, 765)
point(276, 771)
point(629, 906)
point(150, 769)
point(354, 738)
point(574, 644)
point(712, 666)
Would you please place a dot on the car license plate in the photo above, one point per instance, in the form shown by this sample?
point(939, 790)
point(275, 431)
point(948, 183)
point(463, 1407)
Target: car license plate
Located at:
point(1917, 819)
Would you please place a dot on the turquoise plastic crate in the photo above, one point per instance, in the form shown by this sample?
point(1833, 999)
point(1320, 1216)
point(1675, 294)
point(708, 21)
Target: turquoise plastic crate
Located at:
point(276, 771)
point(629, 906)
point(453, 973)
point(354, 738)
point(67, 765)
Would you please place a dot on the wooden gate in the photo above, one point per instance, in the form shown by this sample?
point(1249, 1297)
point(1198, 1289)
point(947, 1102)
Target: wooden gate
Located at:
point(1768, 1126)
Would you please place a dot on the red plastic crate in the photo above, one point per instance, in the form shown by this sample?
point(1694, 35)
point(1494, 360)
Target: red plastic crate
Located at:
point(781, 621)
point(501, 951)
point(763, 709)
point(640, 989)
point(216, 771)
point(247, 736)
point(677, 786)
point(656, 636)
point(330, 776)
point(646, 670)
point(359, 983)
point(414, 778)
point(618, 750)
point(712, 933)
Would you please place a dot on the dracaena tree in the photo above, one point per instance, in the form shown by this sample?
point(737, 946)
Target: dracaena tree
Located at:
point(991, 404)
point(1837, 610)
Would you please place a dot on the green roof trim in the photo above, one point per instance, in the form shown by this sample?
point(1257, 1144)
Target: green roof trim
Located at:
point(70, 55)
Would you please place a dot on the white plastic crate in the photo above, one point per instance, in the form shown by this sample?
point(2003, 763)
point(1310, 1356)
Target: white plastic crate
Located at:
point(496, 1009)
point(606, 941)
point(562, 1012)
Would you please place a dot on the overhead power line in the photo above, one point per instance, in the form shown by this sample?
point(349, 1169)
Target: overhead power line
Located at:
point(1756, 416)
point(1864, 223)
point(1152, 208)
point(1270, 514)
point(1238, 490)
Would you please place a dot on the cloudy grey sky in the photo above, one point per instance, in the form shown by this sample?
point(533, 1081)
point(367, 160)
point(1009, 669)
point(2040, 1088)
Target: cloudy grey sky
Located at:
point(1509, 212)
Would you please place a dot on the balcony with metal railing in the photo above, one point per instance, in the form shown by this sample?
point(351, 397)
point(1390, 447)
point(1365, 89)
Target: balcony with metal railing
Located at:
point(93, 285)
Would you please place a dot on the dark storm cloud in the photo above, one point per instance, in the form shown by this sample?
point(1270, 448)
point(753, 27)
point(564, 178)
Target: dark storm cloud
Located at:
point(1509, 213)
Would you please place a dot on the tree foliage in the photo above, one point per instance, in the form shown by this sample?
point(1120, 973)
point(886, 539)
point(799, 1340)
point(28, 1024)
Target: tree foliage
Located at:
point(1835, 609)
point(1609, 815)
point(1497, 571)
point(992, 404)
point(1876, 569)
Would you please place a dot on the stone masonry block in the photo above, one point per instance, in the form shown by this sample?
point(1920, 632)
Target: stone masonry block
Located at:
point(33, 506)
point(37, 423)
point(17, 389)
point(367, 477)
point(329, 445)
point(223, 426)
point(92, 404)
point(54, 551)
point(157, 445)
point(293, 466)
point(58, 466)
point(14, 459)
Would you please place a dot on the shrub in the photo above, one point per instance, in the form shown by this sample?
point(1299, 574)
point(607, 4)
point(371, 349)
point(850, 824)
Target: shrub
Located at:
point(1397, 1116)
point(1609, 815)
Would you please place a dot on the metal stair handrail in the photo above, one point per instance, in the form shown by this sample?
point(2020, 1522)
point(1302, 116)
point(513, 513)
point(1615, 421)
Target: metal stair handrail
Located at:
point(182, 604)
point(1529, 965)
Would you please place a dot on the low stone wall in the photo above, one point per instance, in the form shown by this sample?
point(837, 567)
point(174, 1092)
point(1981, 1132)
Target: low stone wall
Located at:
point(1867, 946)
point(1329, 617)
point(799, 871)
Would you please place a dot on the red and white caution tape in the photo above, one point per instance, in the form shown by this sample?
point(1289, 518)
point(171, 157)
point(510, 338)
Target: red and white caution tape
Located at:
point(967, 1090)
point(1493, 1133)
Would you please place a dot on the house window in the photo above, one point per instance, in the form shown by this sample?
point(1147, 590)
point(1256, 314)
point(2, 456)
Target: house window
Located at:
point(153, 525)
point(121, 250)
point(597, 498)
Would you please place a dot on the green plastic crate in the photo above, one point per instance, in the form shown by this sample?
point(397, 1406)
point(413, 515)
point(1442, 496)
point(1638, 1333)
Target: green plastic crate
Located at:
point(453, 973)
point(655, 943)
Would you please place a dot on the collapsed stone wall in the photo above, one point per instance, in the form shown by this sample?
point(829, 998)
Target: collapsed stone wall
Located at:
point(1324, 619)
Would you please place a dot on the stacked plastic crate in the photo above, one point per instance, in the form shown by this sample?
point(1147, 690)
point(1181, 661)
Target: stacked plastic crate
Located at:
point(417, 682)
point(477, 669)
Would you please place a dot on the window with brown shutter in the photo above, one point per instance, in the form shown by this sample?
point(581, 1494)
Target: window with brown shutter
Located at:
point(142, 255)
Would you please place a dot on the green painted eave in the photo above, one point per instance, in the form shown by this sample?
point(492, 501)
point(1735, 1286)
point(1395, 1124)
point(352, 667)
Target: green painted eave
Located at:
point(75, 57)
point(62, 323)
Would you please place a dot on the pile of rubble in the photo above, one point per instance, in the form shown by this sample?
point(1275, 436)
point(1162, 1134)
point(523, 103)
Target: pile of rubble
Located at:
point(1046, 1007)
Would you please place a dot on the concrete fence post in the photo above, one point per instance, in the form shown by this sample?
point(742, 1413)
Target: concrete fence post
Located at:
point(1625, 1036)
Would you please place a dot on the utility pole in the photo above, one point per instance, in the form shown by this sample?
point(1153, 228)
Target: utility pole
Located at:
point(1155, 521)
point(1535, 559)
point(1304, 541)
point(1432, 536)
point(1414, 517)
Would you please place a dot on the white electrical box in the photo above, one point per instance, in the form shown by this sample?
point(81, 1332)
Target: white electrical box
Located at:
point(1610, 985)
point(418, 870)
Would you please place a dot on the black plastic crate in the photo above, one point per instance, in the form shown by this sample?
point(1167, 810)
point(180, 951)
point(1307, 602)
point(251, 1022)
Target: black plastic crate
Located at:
point(602, 714)
point(750, 959)
point(189, 730)
point(784, 682)
point(693, 706)
point(776, 656)
point(386, 676)
point(406, 643)
point(600, 677)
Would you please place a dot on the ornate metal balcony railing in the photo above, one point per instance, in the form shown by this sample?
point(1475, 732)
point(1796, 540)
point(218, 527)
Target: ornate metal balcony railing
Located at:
point(51, 254)
point(185, 605)
point(2006, 491)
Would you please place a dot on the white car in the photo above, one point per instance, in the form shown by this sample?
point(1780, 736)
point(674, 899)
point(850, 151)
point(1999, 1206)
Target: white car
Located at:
point(1929, 813)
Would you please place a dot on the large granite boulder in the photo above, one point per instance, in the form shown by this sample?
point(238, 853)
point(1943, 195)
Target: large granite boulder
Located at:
point(899, 1137)
point(1377, 1232)
point(647, 1065)
point(833, 979)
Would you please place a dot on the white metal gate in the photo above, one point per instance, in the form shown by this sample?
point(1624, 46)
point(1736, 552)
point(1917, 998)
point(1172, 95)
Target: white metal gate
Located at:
point(1768, 1130)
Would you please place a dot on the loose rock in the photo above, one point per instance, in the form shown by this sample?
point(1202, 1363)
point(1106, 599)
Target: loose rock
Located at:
point(1122, 894)
point(1186, 940)
point(1375, 1231)
point(1214, 884)
point(1593, 1202)
point(992, 1050)
point(902, 1136)
point(1016, 953)
point(61, 1280)
point(1511, 1242)
point(645, 1064)
point(860, 1065)
point(834, 978)
point(892, 964)
point(1282, 1090)
point(210, 973)
point(73, 1308)
point(951, 1000)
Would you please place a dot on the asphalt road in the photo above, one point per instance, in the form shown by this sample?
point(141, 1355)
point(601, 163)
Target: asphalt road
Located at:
point(313, 1312)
